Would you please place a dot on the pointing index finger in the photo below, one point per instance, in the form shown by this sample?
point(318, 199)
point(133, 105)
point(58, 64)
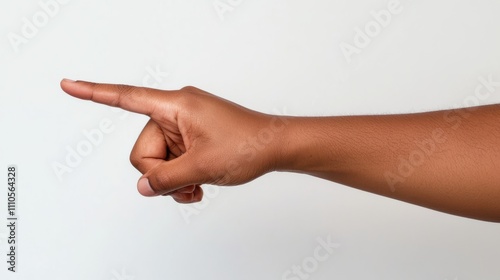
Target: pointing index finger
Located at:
point(134, 99)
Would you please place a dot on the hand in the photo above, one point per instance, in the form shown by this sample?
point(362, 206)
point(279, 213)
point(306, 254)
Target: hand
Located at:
point(192, 138)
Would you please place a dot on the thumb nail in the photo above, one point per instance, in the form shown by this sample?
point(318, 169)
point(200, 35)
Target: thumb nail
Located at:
point(145, 188)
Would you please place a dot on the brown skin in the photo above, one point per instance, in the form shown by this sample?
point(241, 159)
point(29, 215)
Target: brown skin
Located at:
point(444, 160)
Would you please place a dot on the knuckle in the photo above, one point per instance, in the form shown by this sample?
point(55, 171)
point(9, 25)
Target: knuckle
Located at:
point(135, 160)
point(191, 89)
point(161, 183)
point(192, 99)
point(187, 100)
point(126, 92)
point(124, 89)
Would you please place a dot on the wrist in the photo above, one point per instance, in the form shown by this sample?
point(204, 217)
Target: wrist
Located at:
point(295, 145)
point(274, 137)
point(308, 146)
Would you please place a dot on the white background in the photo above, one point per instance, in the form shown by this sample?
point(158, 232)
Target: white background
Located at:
point(280, 57)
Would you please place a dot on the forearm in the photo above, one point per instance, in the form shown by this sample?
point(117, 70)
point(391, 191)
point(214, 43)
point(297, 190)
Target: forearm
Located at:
point(444, 160)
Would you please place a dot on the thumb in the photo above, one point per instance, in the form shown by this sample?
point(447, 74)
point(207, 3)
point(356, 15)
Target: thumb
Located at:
point(169, 176)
